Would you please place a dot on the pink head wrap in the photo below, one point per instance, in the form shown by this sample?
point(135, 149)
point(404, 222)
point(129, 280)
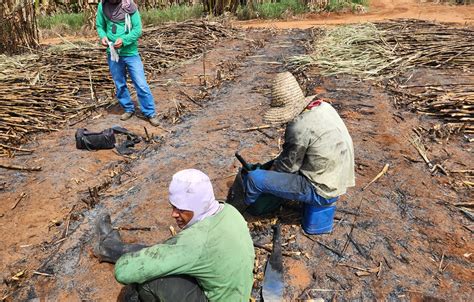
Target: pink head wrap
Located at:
point(127, 4)
point(192, 190)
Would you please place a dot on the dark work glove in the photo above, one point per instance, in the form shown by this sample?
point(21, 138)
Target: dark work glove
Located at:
point(253, 167)
point(265, 166)
point(268, 165)
point(249, 168)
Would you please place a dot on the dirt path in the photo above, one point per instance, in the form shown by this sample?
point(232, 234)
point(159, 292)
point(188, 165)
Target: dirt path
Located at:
point(407, 224)
point(378, 10)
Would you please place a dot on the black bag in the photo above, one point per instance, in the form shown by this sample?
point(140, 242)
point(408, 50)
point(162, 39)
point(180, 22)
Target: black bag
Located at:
point(95, 140)
point(124, 147)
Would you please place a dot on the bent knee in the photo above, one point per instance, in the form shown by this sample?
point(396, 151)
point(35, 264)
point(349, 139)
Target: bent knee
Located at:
point(257, 176)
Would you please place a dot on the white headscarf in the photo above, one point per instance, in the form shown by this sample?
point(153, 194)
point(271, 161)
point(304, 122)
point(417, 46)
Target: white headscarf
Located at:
point(192, 190)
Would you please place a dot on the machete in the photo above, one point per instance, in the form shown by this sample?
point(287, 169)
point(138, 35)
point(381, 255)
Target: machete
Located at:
point(272, 289)
point(245, 165)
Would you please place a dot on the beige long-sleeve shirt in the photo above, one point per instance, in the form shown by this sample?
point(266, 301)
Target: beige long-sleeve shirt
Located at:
point(319, 147)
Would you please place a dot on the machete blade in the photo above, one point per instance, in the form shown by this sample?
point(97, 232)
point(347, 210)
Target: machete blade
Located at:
point(272, 289)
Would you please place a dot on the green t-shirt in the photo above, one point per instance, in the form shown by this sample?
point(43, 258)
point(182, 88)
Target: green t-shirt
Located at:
point(217, 251)
point(130, 38)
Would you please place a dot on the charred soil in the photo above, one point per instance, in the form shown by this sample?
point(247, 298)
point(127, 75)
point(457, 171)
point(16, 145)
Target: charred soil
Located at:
point(402, 238)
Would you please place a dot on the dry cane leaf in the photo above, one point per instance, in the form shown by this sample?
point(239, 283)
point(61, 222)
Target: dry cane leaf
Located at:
point(173, 231)
point(256, 265)
point(18, 275)
point(361, 273)
point(374, 270)
point(384, 170)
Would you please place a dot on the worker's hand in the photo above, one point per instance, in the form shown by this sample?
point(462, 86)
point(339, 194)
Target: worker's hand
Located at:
point(105, 41)
point(268, 166)
point(118, 43)
point(253, 167)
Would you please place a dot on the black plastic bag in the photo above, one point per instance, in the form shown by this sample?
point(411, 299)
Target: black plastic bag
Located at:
point(86, 139)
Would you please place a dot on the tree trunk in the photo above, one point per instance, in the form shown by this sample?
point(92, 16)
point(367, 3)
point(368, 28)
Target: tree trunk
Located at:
point(18, 29)
point(218, 7)
point(89, 7)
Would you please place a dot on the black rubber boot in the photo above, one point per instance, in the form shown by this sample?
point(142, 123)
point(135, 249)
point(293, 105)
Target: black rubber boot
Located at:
point(109, 247)
point(105, 230)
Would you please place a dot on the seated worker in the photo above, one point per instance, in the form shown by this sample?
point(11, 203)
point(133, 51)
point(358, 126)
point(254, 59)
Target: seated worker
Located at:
point(211, 258)
point(316, 164)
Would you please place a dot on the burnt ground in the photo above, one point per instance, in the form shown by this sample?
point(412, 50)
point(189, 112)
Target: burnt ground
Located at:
point(409, 241)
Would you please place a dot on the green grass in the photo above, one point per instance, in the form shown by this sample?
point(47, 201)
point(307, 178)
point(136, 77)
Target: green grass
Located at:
point(72, 22)
point(174, 13)
point(280, 9)
point(339, 5)
point(245, 13)
point(286, 8)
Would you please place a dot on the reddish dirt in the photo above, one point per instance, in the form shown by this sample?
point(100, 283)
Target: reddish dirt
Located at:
point(378, 10)
point(406, 222)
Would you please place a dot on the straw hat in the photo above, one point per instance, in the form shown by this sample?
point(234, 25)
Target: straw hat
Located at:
point(288, 99)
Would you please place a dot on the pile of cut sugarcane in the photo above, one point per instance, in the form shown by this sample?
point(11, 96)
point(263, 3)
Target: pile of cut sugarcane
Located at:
point(422, 43)
point(451, 103)
point(388, 50)
point(384, 50)
point(59, 85)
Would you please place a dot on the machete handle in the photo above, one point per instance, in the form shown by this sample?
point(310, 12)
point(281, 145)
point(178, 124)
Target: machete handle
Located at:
point(245, 165)
point(276, 234)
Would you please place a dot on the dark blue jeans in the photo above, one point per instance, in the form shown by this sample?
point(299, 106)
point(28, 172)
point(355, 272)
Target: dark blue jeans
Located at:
point(132, 66)
point(283, 185)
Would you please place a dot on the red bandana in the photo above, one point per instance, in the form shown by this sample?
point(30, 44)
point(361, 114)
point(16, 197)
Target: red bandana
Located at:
point(313, 104)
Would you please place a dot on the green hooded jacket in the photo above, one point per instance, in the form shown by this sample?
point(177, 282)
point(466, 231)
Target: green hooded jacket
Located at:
point(130, 38)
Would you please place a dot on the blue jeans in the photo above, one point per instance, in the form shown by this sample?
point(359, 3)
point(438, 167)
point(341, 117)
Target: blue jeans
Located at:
point(134, 67)
point(284, 185)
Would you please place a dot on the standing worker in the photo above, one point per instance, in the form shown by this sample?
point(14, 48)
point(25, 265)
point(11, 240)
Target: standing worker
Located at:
point(119, 26)
point(211, 259)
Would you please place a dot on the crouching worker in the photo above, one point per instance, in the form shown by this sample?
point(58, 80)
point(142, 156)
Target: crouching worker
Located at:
point(316, 164)
point(211, 259)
